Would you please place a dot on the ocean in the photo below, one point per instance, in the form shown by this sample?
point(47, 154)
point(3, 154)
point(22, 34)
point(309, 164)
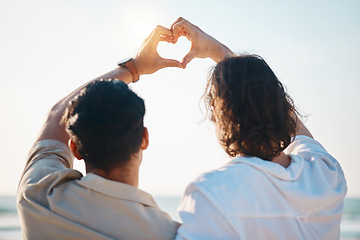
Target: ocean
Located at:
point(10, 224)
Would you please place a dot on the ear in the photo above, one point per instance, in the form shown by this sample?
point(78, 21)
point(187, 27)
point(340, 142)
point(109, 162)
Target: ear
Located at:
point(74, 149)
point(145, 139)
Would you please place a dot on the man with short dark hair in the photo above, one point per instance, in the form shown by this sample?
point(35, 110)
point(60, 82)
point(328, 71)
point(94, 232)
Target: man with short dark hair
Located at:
point(102, 123)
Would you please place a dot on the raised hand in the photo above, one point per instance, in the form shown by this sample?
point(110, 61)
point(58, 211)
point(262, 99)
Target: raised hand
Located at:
point(202, 44)
point(148, 60)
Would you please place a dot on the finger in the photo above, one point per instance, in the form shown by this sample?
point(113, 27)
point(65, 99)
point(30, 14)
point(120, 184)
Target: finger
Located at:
point(157, 35)
point(169, 63)
point(177, 21)
point(174, 40)
point(178, 29)
point(180, 19)
point(180, 33)
point(168, 39)
point(160, 33)
point(190, 56)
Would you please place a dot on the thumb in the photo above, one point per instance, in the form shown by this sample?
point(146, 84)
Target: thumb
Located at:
point(169, 63)
point(190, 56)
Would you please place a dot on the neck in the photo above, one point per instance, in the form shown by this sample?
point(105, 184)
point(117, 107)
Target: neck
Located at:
point(127, 173)
point(283, 159)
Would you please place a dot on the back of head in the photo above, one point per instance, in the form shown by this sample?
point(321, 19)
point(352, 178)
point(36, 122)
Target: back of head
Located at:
point(250, 108)
point(106, 123)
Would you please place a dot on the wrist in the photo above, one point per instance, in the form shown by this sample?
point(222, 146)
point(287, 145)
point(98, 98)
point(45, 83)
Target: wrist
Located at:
point(221, 52)
point(139, 66)
point(131, 67)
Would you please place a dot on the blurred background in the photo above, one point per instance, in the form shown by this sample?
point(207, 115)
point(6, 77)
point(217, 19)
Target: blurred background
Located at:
point(49, 48)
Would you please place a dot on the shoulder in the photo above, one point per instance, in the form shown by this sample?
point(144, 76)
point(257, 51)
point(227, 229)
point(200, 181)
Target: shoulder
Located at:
point(234, 171)
point(49, 164)
point(212, 199)
point(216, 176)
point(303, 143)
point(221, 185)
point(313, 153)
point(52, 150)
point(46, 157)
point(320, 167)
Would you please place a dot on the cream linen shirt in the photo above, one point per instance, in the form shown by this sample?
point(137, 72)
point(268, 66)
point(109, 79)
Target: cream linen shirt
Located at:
point(250, 198)
point(55, 201)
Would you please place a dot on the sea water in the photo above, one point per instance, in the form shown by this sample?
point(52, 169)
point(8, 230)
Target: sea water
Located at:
point(10, 224)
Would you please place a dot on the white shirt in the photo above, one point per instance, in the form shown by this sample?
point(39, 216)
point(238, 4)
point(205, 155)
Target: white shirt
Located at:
point(250, 198)
point(57, 202)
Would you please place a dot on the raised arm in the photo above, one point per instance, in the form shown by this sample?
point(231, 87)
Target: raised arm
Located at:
point(147, 61)
point(202, 44)
point(300, 127)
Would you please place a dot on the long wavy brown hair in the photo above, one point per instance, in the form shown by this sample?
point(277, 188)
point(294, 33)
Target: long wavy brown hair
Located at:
point(250, 108)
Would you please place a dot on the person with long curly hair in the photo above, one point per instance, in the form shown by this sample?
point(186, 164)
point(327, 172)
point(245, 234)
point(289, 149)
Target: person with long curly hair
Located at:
point(280, 183)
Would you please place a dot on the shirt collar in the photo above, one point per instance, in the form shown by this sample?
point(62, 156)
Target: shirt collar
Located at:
point(291, 173)
point(116, 189)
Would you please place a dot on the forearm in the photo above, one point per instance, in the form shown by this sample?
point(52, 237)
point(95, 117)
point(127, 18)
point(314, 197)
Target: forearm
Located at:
point(53, 127)
point(147, 61)
point(300, 127)
point(220, 51)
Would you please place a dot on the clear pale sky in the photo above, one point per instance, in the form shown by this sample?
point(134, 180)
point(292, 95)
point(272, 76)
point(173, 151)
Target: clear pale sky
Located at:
point(48, 48)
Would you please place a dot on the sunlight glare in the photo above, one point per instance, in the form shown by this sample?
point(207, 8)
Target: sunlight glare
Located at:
point(143, 21)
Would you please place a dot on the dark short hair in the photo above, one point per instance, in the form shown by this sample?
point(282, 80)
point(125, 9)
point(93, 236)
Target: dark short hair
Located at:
point(253, 111)
point(105, 120)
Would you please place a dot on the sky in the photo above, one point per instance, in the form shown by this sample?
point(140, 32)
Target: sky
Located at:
point(49, 48)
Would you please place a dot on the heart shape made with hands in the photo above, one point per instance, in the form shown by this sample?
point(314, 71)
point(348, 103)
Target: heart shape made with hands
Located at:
point(175, 51)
